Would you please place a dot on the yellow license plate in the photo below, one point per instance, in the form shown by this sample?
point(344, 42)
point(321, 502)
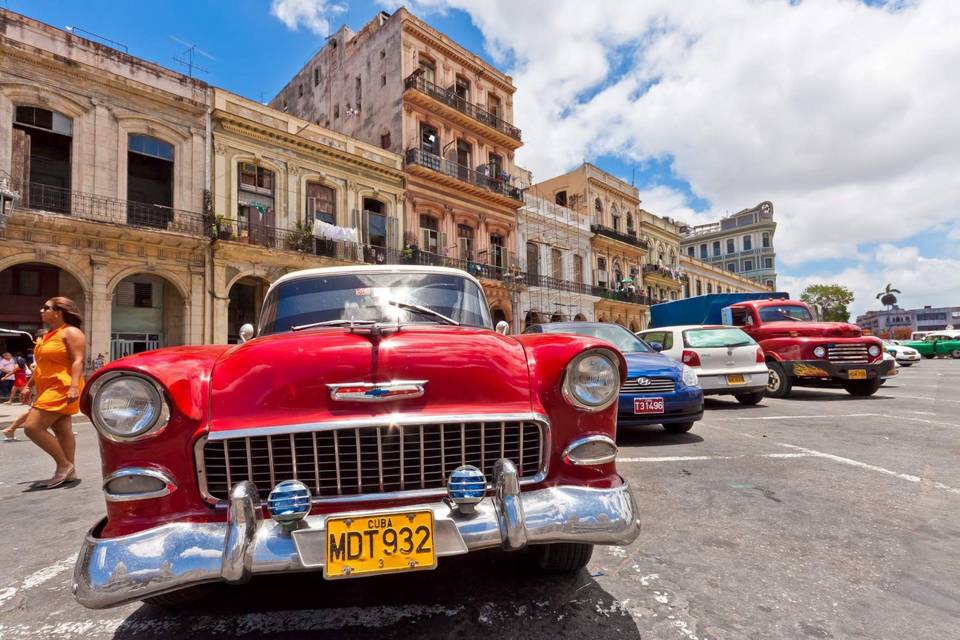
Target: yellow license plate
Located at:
point(736, 379)
point(857, 374)
point(361, 545)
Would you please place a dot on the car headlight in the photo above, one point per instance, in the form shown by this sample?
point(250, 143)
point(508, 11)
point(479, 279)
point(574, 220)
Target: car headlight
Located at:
point(689, 376)
point(127, 406)
point(820, 352)
point(592, 380)
point(874, 351)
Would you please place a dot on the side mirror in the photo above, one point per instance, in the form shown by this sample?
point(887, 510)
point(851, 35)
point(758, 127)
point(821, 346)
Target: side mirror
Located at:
point(656, 346)
point(503, 327)
point(246, 332)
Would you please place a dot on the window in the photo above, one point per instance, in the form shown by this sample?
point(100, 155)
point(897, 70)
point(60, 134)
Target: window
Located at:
point(747, 243)
point(690, 251)
point(385, 140)
point(145, 145)
point(497, 252)
point(375, 223)
point(765, 240)
point(748, 265)
point(703, 252)
point(359, 92)
point(732, 267)
point(629, 222)
point(494, 106)
point(716, 248)
point(464, 155)
point(768, 263)
point(597, 205)
point(428, 70)
point(556, 263)
point(44, 119)
point(616, 222)
point(44, 144)
point(699, 288)
point(709, 288)
point(578, 269)
point(560, 198)
point(284, 105)
point(321, 204)
point(461, 88)
point(28, 282)
point(383, 79)
point(429, 234)
point(255, 212)
point(496, 165)
point(143, 294)
point(601, 272)
point(300, 90)
point(731, 246)
point(429, 139)
point(465, 241)
point(316, 76)
point(533, 259)
point(769, 284)
point(149, 181)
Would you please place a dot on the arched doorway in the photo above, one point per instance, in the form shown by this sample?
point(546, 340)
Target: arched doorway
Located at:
point(580, 317)
point(24, 288)
point(246, 297)
point(148, 312)
point(556, 318)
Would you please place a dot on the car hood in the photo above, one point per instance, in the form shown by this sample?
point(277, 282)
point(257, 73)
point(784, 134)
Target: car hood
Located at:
point(788, 328)
point(282, 379)
point(652, 365)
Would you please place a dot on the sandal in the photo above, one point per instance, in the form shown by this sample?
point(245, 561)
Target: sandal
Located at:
point(59, 478)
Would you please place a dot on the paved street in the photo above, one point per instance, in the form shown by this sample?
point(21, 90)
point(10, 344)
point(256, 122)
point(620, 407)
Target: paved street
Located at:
point(821, 516)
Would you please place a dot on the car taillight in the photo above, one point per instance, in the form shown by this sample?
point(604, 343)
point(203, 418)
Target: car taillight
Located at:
point(690, 358)
point(760, 357)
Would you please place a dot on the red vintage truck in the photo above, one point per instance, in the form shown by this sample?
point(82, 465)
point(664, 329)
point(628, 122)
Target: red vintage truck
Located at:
point(799, 350)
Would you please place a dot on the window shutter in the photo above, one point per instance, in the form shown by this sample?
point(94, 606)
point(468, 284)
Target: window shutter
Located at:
point(125, 294)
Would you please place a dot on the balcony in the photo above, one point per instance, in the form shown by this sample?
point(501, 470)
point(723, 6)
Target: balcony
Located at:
point(93, 208)
point(633, 297)
point(662, 272)
point(534, 279)
point(629, 238)
point(502, 185)
point(417, 82)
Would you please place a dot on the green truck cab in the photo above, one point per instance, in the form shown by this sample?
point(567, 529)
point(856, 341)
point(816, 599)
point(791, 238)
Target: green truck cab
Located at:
point(937, 343)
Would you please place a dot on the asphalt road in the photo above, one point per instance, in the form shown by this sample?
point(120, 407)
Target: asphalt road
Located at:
point(819, 516)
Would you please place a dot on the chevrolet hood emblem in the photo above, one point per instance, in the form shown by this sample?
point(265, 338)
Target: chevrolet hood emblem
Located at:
point(377, 391)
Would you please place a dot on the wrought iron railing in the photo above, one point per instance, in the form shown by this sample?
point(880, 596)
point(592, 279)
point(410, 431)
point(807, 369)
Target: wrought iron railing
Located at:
point(663, 272)
point(503, 184)
point(624, 295)
point(86, 206)
point(629, 238)
point(451, 99)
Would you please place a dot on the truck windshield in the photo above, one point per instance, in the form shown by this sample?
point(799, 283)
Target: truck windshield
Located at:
point(785, 312)
point(706, 338)
point(373, 297)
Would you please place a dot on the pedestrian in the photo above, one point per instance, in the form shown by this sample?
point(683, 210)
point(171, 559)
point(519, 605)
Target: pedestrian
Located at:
point(58, 381)
point(7, 367)
point(99, 362)
point(9, 434)
point(19, 377)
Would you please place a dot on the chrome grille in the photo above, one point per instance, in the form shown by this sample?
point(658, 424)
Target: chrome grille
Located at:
point(657, 385)
point(362, 460)
point(847, 353)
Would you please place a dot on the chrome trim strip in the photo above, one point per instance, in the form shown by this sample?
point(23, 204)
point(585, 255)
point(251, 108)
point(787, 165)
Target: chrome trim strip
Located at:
point(579, 442)
point(169, 486)
point(394, 390)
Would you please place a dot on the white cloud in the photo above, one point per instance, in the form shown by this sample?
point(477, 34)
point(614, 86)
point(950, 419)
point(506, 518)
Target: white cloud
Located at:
point(842, 114)
point(311, 14)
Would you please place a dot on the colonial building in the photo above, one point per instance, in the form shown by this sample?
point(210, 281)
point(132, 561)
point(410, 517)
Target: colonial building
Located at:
point(619, 252)
point(701, 278)
point(402, 85)
point(741, 243)
point(662, 276)
point(161, 206)
point(556, 261)
point(900, 323)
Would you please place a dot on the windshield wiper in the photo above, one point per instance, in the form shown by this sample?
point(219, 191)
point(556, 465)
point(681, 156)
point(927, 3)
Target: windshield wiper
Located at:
point(333, 323)
point(423, 310)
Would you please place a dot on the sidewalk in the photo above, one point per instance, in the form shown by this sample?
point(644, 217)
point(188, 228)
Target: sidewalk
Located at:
point(10, 412)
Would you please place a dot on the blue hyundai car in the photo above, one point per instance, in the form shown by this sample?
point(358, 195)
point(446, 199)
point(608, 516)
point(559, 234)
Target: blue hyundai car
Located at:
point(658, 390)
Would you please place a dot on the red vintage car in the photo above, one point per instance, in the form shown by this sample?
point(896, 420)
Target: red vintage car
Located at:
point(376, 423)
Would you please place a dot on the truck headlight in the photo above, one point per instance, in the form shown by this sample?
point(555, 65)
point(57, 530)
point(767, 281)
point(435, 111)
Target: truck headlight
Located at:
point(874, 351)
point(127, 406)
point(820, 352)
point(689, 376)
point(592, 380)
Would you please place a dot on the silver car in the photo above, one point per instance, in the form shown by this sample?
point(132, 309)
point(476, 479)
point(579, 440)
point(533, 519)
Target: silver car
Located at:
point(727, 360)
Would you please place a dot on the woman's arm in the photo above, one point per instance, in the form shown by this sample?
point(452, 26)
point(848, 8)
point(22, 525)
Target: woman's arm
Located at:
point(76, 344)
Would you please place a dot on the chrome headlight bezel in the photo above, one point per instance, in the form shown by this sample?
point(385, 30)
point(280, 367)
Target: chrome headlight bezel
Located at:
point(873, 350)
point(570, 455)
point(689, 376)
point(567, 387)
point(154, 428)
point(820, 352)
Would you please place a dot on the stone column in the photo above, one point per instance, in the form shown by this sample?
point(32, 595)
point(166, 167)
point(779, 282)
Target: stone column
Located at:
point(195, 309)
point(99, 310)
point(221, 302)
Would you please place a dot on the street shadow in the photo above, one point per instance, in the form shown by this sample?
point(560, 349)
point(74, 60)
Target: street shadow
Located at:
point(832, 395)
point(483, 594)
point(722, 403)
point(41, 485)
point(654, 436)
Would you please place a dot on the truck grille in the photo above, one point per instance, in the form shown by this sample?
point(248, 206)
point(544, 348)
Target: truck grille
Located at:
point(362, 460)
point(847, 353)
point(657, 385)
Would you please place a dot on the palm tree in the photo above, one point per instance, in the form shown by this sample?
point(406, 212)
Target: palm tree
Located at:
point(886, 296)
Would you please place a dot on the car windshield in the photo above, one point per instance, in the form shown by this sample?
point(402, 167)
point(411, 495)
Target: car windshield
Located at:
point(374, 297)
point(619, 337)
point(785, 312)
point(706, 338)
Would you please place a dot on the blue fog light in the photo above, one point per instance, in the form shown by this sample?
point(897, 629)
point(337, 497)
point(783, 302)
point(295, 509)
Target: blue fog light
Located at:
point(466, 487)
point(289, 501)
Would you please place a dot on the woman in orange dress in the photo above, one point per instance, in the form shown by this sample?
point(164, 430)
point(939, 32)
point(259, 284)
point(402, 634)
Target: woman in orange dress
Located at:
point(58, 381)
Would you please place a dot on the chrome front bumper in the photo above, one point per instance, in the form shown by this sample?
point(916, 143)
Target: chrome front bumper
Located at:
point(112, 571)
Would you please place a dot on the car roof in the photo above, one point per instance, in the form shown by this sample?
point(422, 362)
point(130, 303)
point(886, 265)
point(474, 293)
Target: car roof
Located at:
point(578, 323)
point(373, 268)
point(684, 327)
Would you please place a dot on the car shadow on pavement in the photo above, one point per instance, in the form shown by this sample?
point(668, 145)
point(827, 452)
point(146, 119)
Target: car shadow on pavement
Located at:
point(712, 403)
point(485, 594)
point(654, 436)
point(820, 395)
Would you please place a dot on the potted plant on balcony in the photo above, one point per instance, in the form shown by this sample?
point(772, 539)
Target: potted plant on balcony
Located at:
point(301, 238)
point(222, 228)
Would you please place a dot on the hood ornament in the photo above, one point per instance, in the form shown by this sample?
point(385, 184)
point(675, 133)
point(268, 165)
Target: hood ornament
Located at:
point(377, 391)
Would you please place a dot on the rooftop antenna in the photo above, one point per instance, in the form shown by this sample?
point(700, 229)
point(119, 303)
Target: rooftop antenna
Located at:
point(90, 35)
point(187, 57)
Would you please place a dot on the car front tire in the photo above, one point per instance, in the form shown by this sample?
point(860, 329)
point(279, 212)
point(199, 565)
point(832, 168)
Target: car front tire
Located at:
point(750, 398)
point(862, 388)
point(779, 383)
point(563, 557)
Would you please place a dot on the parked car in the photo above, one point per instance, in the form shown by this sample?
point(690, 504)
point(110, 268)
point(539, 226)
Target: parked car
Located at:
point(657, 390)
point(727, 360)
point(902, 354)
point(894, 367)
point(376, 424)
point(937, 343)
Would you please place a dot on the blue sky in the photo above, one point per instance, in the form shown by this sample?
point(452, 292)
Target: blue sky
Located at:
point(707, 107)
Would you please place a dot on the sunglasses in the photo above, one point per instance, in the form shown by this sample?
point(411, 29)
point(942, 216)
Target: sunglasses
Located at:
point(48, 307)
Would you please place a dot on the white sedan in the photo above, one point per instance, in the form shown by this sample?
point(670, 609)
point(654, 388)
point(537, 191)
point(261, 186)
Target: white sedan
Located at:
point(726, 359)
point(904, 355)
